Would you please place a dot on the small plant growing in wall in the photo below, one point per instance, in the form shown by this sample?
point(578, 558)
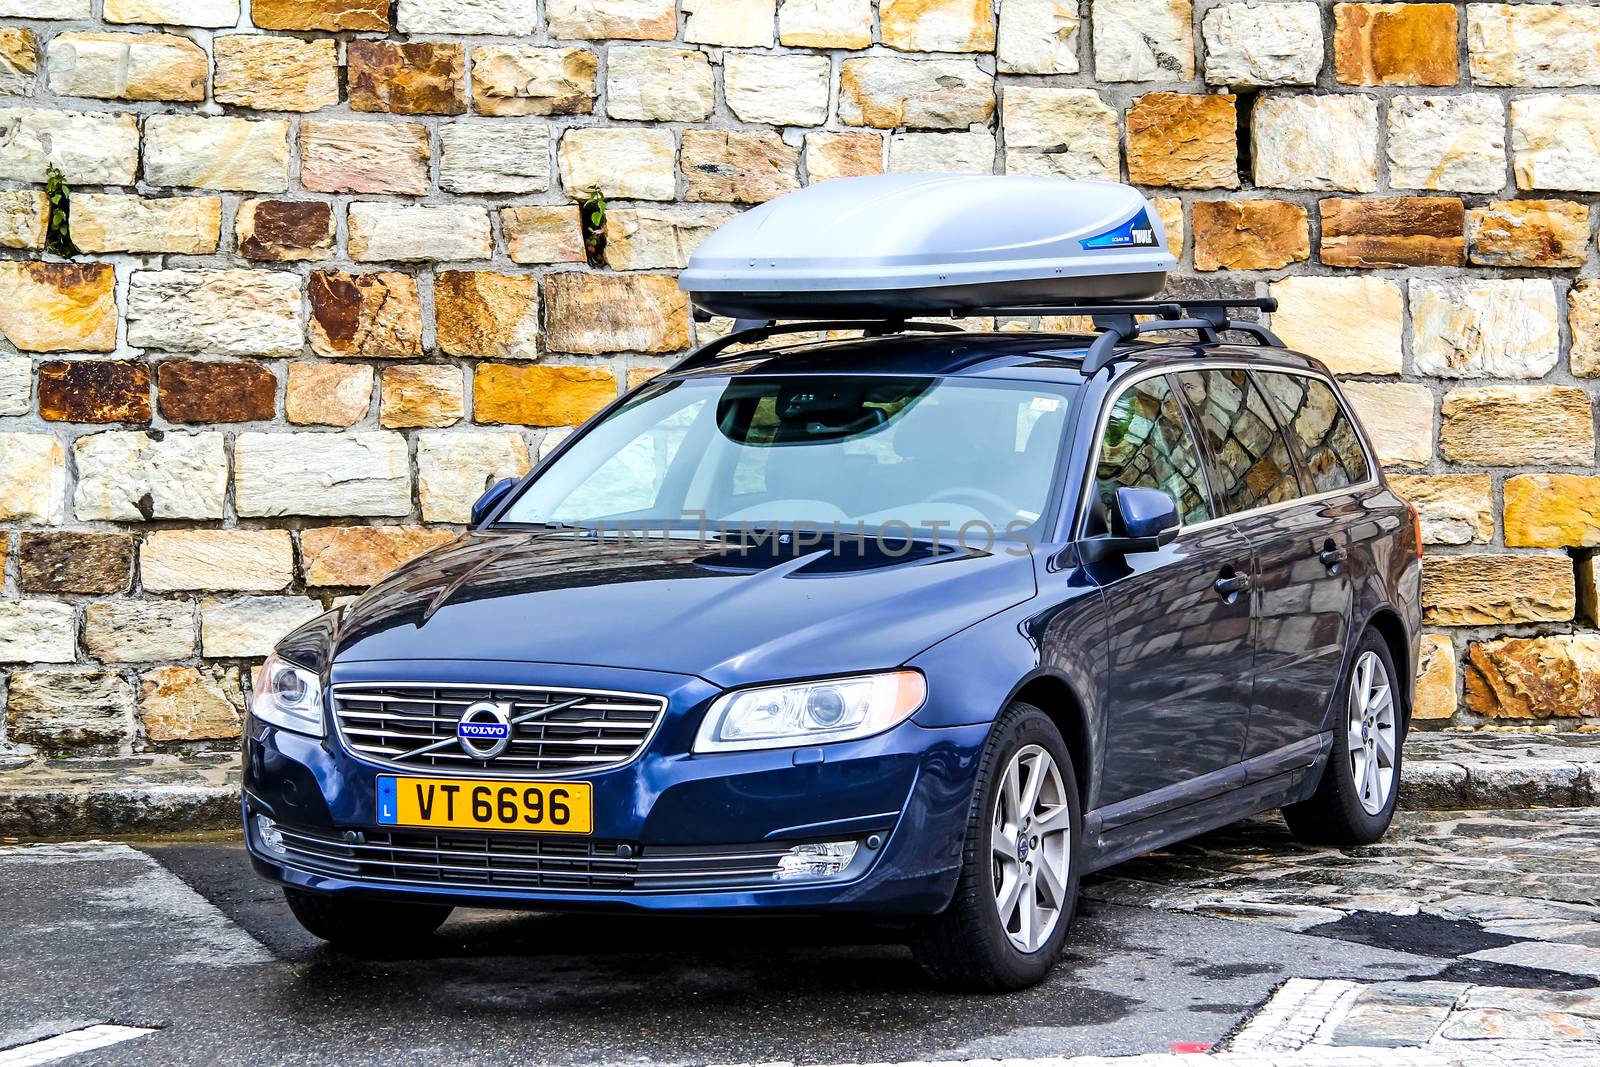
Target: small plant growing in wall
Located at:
point(592, 219)
point(58, 228)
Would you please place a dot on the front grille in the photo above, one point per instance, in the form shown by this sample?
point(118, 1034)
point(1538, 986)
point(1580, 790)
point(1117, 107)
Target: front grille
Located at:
point(500, 861)
point(389, 722)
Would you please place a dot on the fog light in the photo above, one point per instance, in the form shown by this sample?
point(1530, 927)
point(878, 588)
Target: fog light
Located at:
point(271, 838)
point(826, 859)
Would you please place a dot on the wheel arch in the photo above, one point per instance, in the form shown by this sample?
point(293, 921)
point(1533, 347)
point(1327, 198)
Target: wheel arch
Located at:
point(1386, 621)
point(1055, 696)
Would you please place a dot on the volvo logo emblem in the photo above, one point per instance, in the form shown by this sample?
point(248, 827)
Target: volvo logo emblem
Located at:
point(485, 729)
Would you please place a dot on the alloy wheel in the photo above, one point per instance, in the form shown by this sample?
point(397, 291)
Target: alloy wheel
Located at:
point(1031, 848)
point(1370, 735)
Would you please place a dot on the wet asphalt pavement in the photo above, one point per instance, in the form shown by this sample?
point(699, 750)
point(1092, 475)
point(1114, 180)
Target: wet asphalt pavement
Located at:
point(181, 936)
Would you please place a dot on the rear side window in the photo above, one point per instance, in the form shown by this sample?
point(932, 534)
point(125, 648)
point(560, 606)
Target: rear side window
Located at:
point(1330, 449)
point(1251, 465)
point(1147, 444)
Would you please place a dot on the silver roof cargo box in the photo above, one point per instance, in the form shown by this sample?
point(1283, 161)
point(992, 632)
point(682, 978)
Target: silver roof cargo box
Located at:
point(889, 245)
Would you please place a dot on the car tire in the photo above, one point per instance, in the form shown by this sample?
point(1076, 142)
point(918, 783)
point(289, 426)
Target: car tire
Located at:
point(365, 926)
point(972, 944)
point(1350, 807)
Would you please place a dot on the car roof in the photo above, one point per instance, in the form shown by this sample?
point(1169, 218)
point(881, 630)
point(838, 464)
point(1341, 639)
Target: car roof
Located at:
point(1048, 357)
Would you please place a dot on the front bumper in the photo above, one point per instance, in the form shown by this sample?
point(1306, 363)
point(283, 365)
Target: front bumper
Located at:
point(902, 797)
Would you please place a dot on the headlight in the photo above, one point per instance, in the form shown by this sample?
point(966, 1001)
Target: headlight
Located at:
point(810, 713)
point(288, 696)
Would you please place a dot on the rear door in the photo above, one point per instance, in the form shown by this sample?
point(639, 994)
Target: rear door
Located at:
point(1318, 547)
point(1299, 535)
point(1178, 679)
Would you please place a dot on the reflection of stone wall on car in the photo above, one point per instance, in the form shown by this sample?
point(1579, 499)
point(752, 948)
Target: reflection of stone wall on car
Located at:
point(1326, 438)
point(1146, 445)
point(1253, 460)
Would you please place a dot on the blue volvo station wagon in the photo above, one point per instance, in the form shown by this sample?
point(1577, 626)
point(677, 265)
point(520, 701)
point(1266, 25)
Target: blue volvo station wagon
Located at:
point(924, 623)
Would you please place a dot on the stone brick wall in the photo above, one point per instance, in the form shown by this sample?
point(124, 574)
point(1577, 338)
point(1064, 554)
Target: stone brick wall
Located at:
point(332, 278)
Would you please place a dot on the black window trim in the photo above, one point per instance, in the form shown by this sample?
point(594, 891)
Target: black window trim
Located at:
point(1202, 453)
point(1208, 458)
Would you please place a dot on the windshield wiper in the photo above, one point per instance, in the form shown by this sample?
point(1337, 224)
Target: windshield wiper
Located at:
point(569, 527)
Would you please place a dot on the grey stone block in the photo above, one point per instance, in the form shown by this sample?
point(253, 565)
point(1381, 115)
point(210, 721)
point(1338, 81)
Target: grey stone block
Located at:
point(1428, 786)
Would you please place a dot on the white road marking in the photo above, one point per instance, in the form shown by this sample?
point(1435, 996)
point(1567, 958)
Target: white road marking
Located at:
point(133, 892)
point(62, 852)
point(70, 1043)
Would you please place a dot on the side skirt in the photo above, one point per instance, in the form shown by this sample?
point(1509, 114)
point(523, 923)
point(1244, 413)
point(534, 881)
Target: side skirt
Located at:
point(1133, 827)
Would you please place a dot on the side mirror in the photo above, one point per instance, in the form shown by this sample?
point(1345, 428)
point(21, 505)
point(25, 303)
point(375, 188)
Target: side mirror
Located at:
point(490, 499)
point(1146, 513)
point(1142, 521)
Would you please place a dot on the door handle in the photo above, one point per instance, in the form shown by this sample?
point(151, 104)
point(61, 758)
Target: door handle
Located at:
point(1231, 584)
point(1330, 554)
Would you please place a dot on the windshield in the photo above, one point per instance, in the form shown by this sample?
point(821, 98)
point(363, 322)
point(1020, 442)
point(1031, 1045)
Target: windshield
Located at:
point(862, 451)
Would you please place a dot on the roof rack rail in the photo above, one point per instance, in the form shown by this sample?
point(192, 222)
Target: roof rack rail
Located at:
point(750, 331)
point(1207, 318)
point(1116, 322)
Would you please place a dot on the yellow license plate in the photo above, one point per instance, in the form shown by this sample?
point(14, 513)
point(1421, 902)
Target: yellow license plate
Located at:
point(478, 804)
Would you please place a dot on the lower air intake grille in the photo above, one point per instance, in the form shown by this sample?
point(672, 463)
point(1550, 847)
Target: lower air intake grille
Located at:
point(528, 862)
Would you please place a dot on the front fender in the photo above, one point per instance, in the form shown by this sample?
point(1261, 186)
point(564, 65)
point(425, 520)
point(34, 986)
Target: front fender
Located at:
point(975, 671)
point(979, 670)
point(1056, 640)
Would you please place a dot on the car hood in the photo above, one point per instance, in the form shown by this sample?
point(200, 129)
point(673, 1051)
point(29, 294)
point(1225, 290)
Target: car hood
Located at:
point(731, 613)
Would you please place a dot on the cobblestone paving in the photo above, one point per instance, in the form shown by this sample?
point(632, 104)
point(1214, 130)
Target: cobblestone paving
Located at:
point(1308, 1015)
point(1336, 1023)
point(1526, 881)
point(1519, 888)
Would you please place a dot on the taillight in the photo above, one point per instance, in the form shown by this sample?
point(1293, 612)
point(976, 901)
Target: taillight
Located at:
point(1416, 527)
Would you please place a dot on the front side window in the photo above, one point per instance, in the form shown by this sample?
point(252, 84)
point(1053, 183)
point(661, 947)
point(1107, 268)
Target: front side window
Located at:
point(1251, 465)
point(1330, 449)
point(1147, 444)
point(927, 453)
